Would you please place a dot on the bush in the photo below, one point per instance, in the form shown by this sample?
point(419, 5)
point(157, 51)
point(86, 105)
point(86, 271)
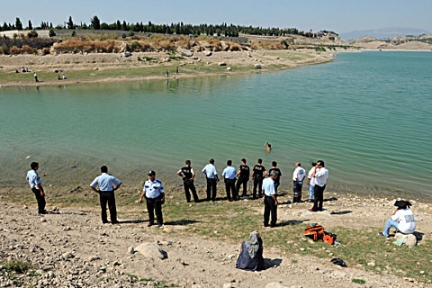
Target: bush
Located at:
point(5, 50)
point(123, 36)
point(52, 32)
point(17, 266)
point(32, 34)
point(73, 33)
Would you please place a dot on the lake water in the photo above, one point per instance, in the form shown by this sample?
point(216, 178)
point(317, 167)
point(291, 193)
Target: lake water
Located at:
point(367, 115)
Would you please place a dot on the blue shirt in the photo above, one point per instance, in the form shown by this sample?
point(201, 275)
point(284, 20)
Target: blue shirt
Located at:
point(33, 178)
point(153, 189)
point(268, 186)
point(210, 171)
point(229, 172)
point(105, 182)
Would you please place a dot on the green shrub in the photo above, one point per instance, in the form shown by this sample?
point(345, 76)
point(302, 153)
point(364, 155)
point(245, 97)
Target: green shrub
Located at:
point(17, 266)
point(52, 32)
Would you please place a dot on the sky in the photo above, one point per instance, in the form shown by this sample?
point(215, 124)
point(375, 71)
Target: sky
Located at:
point(335, 15)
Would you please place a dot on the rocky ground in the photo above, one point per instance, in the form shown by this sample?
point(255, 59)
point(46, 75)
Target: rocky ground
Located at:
point(72, 248)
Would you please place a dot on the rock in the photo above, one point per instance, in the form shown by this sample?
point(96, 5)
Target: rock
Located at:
point(371, 264)
point(410, 241)
point(275, 285)
point(96, 68)
point(127, 54)
point(228, 285)
point(131, 250)
point(43, 220)
point(196, 286)
point(151, 250)
point(222, 64)
point(229, 69)
point(208, 53)
point(186, 53)
point(257, 66)
point(340, 275)
point(93, 258)
point(67, 255)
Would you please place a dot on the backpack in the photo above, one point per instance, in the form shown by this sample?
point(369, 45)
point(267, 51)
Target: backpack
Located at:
point(329, 238)
point(314, 231)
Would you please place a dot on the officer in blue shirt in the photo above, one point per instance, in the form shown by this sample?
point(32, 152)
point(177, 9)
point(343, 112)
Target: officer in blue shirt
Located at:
point(154, 193)
point(212, 178)
point(229, 174)
point(106, 190)
point(270, 200)
point(36, 186)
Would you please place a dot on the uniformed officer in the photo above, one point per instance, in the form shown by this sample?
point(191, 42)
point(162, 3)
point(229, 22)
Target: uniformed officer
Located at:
point(106, 190)
point(154, 193)
point(243, 174)
point(229, 174)
point(258, 172)
point(188, 175)
point(212, 178)
point(298, 176)
point(278, 174)
point(36, 187)
point(270, 200)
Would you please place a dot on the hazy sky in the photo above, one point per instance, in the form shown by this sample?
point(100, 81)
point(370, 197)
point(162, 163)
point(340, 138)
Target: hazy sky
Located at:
point(337, 15)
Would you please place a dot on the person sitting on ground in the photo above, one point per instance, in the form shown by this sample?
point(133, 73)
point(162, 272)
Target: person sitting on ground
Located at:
point(251, 253)
point(402, 219)
point(267, 146)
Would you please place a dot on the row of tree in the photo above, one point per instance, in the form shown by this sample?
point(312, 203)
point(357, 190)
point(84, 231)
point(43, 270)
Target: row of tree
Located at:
point(178, 28)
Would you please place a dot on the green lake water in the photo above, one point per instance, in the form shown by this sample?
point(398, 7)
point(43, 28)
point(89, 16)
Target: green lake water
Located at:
point(367, 115)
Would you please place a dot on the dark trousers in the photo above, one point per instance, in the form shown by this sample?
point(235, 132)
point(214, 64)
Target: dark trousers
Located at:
point(297, 189)
point(40, 200)
point(270, 208)
point(257, 184)
point(190, 187)
point(154, 204)
point(276, 186)
point(319, 197)
point(230, 189)
point(242, 181)
point(211, 188)
point(108, 197)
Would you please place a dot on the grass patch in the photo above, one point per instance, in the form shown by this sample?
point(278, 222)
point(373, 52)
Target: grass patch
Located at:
point(358, 281)
point(16, 266)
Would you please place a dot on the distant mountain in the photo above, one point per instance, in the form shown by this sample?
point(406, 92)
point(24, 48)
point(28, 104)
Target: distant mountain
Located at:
point(383, 33)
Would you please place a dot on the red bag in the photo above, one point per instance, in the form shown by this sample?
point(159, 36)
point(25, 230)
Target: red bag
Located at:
point(329, 238)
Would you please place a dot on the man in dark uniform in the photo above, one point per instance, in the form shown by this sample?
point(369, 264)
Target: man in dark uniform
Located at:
point(277, 175)
point(106, 190)
point(243, 176)
point(188, 175)
point(154, 193)
point(258, 176)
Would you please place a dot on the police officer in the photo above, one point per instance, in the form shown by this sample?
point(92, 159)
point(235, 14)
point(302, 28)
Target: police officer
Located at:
point(243, 174)
point(212, 179)
point(36, 187)
point(188, 175)
point(270, 200)
point(258, 172)
point(298, 176)
point(106, 190)
point(154, 193)
point(278, 174)
point(229, 174)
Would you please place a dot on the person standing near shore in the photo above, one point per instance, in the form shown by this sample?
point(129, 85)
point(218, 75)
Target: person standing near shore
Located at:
point(320, 175)
point(188, 175)
point(311, 182)
point(243, 174)
point(258, 172)
point(278, 174)
point(106, 190)
point(270, 200)
point(229, 175)
point(36, 186)
point(35, 76)
point(154, 193)
point(212, 178)
point(298, 177)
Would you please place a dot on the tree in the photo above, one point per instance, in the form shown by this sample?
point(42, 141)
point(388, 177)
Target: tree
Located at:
point(95, 23)
point(30, 26)
point(32, 34)
point(18, 24)
point(70, 23)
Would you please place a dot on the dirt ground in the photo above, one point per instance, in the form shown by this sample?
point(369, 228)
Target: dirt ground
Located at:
point(72, 248)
